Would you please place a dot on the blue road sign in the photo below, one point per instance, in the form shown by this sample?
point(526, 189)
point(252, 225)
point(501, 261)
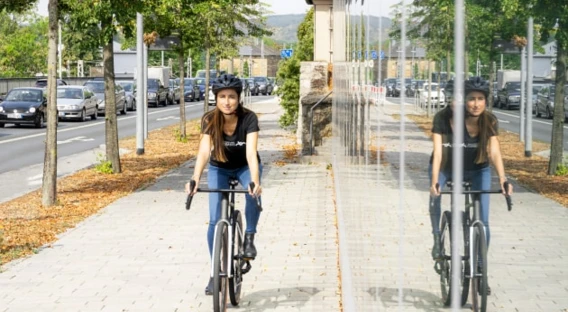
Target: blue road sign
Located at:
point(286, 53)
point(373, 54)
point(382, 55)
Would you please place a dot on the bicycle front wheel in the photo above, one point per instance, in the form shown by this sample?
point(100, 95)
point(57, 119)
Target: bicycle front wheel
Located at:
point(236, 281)
point(479, 276)
point(446, 261)
point(220, 260)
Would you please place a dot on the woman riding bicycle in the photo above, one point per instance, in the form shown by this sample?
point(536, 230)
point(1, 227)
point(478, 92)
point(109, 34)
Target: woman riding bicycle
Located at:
point(481, 146)
point(229, 137)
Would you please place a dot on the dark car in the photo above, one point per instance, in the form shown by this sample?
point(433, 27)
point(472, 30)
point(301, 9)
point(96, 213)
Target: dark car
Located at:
point(389, 85)
point(173, 91)
point(24, 106)
point(253, 86)
point(264, 85)
point(191, 90)
point(510, 96)
point(157, 93)
point(414, 87)
point(200, 82)
point(42, 83)
point(129, 93)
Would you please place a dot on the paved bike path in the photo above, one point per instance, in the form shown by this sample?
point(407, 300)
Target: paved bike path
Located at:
point(145, 252)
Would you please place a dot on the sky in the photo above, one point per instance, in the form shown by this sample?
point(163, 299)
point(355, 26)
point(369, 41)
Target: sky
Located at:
point(376, 7)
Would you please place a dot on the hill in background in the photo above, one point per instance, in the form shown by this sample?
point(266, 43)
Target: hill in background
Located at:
point(284, 27)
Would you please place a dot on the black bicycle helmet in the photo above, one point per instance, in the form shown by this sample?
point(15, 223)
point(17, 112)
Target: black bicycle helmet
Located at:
point(476, 84)
point(227, 81)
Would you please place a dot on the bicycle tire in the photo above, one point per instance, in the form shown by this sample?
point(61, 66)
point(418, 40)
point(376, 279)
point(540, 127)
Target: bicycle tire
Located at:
point(479, 278)
point(235, 281)
point(220, 258)
point(446, 262)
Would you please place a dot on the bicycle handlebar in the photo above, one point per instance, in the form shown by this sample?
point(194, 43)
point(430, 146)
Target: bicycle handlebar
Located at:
point(505, 186)
point(205, 190)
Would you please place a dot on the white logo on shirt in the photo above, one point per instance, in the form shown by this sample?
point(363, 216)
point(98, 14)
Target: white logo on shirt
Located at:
point(238, 143)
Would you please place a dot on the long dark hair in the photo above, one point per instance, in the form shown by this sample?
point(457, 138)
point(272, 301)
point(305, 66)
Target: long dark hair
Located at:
point(487, 124)
point(213, 123)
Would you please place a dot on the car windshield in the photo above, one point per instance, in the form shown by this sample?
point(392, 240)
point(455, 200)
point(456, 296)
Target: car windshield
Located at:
point(514, 86)
point(432, 88)
point(127, 86)
point(200, 82)
point(69, 93)
point(420, 84)
point(187, 82)
point(153, 83)
point(24, 95)
point(251, 81)
point(260, 79)
point(41, 83)
point(97, 87)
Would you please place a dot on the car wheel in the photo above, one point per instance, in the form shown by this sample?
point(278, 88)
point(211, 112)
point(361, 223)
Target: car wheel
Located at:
point(548, 113)
point(2, 125)
point(123, 111)
point(83, 115)
point(39, 121)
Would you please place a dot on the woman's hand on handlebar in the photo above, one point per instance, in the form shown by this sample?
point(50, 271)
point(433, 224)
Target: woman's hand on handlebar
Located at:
point(506, 188)
point(435, 190)
point(257, 190)
point(187, 186)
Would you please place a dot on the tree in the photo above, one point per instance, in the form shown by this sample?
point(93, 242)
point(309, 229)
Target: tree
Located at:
point(23, 44)
point(289, 71)
point(552, 20)
point(109, 16)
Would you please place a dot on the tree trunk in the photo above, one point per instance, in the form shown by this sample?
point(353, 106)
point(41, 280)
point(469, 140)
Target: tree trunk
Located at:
point(49, 181)
point(556, 145)
point(111, 128)
point(182, 131)
point(207, 77)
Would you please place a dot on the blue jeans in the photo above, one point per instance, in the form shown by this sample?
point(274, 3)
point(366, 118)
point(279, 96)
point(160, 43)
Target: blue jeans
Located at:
point(219, 178)
point(480, 180)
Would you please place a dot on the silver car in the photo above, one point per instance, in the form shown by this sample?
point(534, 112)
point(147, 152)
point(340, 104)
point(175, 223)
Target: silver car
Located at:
point(98, 87)
point(76, 102)
point(129, 93)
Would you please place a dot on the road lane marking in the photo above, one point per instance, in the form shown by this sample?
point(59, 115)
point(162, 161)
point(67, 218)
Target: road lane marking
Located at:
point(533, 119)
point(167, 118)
point(87, 126)
point(503, 121)
point(79, 139)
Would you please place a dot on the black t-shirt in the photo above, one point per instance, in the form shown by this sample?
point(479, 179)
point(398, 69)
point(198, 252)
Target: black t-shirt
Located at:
point(235, 145)
point(442, 125)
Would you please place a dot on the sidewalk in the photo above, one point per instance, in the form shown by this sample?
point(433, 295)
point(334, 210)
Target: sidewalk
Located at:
point(145, 252)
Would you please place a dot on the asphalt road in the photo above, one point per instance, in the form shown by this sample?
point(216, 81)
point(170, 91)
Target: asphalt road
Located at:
point(78, 145)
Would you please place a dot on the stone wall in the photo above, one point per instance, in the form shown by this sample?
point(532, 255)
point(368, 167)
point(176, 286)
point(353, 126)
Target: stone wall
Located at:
point(314, 85)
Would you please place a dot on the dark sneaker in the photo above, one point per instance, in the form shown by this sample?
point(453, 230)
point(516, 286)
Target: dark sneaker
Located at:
point(436, 247)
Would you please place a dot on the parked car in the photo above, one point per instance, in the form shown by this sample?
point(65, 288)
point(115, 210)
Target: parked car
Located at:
point(264, 85)
point(98, 88)
point(545, 102)
point(200, 82)
point(536, 88)
point(389, 84)
point(157, 93)
point(434, 100)
point(76, 102)
point(253, 87)
point(24, 106)
point(415, 87)
point(173, 92)
point(211, 99)
point(42, 83)
point(510, 96)
point(191, 90)
point(129, 93)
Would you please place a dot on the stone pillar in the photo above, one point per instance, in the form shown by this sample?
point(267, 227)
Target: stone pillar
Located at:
point(313, 87)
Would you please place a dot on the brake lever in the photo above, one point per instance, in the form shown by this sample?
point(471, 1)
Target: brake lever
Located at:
point(507, 196)
point(258, 206)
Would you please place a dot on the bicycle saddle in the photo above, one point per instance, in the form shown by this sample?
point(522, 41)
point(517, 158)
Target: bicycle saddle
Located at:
point(233, 181)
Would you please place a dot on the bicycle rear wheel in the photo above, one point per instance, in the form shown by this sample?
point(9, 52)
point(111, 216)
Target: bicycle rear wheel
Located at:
point(235, 282)
point(479, 276)
point(220, 260)
point(446, 261)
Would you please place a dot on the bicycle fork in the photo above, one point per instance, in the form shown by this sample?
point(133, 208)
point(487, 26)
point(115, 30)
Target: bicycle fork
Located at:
point(228, 267)
point(472, 265)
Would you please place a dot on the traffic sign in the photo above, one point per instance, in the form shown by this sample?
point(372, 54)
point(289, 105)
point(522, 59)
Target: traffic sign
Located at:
point(382, 55)
point(374, 55)
point(286, 53)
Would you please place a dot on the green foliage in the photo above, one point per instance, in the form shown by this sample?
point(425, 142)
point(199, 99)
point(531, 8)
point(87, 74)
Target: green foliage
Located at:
point(179, 137)
point(17, 6)
point(103, 165)
point(562, 169)
point(289, 72)
point(246, 69)
point(23, 45)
